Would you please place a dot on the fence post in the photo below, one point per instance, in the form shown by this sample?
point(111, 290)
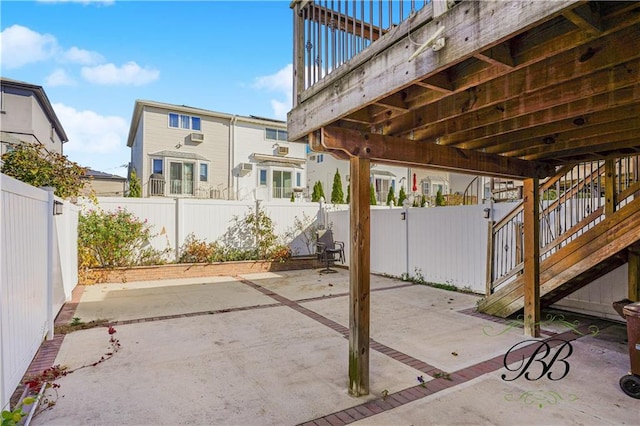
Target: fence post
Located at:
point(179, 225)
point(50, 249)
point(322, 222)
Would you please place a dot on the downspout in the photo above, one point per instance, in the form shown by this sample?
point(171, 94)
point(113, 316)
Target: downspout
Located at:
point(232, 135)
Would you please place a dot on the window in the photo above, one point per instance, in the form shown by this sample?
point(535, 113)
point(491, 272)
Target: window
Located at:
point(426, 187)
point(195, 123)
point(173, 120)
point(320, 158)
point(276, 134)
point(312, 158)
point(298, 179)
point(181, 178)
point(204, 172)
point(183, 121)
point(262, 177)
point(157, 166)
point(281, 184)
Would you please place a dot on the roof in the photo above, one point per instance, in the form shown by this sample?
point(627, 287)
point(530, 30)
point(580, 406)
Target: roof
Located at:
point(278, 159)
point(94, 174)
point(140, 104)
point(180, 154)
point(42, 98)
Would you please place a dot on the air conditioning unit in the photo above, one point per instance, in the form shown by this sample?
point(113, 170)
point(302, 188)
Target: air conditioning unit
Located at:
point(197, 137)
point(246, 167)
point(283, 150)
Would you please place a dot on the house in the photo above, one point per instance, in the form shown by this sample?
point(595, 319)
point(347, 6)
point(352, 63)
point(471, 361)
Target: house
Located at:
point(182, 151)
point(27, 116)
point(322, 168)
point(104, 184)
point(457, 188)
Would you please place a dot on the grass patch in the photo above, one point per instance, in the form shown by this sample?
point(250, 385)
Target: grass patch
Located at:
point(76, 324)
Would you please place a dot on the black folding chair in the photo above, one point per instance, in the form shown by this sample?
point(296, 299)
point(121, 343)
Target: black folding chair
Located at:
point(328, 250)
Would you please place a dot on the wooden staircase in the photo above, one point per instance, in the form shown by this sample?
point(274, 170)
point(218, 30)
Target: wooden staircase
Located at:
point(595, 245)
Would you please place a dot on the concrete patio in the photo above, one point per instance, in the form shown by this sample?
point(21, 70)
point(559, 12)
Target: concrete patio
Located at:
point(271, 348)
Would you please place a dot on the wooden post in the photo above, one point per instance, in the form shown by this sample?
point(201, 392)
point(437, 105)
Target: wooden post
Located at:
point(489, 288)
point(531, 258)
point(359, 276)
point(634, 272)
point(609, 187)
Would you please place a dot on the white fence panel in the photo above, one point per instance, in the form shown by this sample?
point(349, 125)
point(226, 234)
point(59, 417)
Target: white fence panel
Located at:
point(597, 297)
point(23, 288)
point(443, 244)
point(284, 217)
point(174, 219)
point(159, 212)
point(389, 233)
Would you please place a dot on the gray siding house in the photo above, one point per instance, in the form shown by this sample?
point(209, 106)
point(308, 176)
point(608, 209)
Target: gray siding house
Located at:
point(26, 115)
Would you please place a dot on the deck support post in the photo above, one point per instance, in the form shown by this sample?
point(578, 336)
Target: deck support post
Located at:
point(531, 257)
point(359, 277)
point(634, 272)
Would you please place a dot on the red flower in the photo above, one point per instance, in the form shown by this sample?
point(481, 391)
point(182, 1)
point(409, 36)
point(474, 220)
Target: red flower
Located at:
point(112, 330)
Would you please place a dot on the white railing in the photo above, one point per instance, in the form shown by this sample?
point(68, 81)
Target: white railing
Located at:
point(38, 264)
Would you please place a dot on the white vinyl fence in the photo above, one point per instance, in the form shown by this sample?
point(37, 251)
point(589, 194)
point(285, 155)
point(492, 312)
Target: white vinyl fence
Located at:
point(38, 271)
point(172, 220)
point(446, 245)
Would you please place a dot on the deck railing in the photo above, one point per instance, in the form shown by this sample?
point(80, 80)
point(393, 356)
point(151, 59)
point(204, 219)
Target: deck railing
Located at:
point(159, 188)
point(571, 202)
point(328, 33)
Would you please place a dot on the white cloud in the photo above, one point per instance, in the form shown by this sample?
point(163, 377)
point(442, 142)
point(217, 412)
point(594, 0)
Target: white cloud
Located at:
point(90, 132)
point(59, 78)
point(21, 46)
point(128, 74)
point(280, 82)
point(82, 56)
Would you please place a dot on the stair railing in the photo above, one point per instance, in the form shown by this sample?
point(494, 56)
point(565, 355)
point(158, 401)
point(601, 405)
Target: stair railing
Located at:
point(571, 202)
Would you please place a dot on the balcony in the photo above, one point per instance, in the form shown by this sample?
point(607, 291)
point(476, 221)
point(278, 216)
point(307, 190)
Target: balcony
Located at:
point(508, 89)
point(182, 188)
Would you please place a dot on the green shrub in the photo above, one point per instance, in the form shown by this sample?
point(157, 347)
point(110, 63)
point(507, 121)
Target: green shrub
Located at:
point(115, 239)
point(198, 251)
point(391, 196)
point(337, 196)
point(33, 164)
point(402, 196)
point(372, 196)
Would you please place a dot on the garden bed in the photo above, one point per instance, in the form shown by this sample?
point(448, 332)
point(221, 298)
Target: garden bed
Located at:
point(192, 270)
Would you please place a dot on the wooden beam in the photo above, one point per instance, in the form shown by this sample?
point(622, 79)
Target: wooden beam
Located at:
point(531, 258)
point(557, 80)
point(391, 150)
point(586, 17)
point(483, 137)
point(609, 187)
point(352, 87)
point(359, 277)
point(634, 272)
point(499, 56)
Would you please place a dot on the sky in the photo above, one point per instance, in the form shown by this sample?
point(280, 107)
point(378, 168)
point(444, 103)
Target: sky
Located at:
point(95, 58)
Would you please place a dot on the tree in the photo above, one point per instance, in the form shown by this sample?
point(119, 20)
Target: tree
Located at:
point(440, 198)
point(135, 191)
point(402, 196)
point(337, 196)
point(35, 165)
point(348, 193)
point(318, 192)
point(423, 201)
point(391, 196)
point(372, 196)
